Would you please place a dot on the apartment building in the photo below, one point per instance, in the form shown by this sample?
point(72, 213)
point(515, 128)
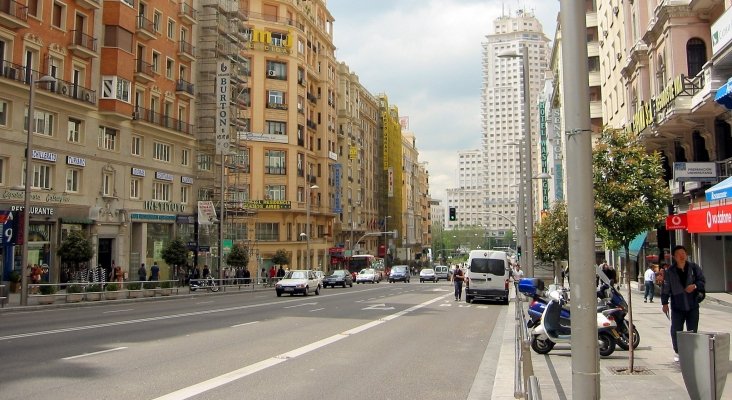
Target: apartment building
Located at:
point(467, 197)
point(392, 176)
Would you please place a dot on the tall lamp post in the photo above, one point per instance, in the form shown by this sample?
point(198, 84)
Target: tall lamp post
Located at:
point(386, 240)
point(28, 182)
point(307, 222)
point(353, 208)
point(529, 249)
point(521, 206)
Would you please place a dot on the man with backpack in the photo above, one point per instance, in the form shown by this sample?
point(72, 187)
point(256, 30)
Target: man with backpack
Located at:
point(142, 273)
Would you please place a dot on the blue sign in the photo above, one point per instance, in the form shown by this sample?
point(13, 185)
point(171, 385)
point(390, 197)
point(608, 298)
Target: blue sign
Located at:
point(337, 208)
point(9, 224)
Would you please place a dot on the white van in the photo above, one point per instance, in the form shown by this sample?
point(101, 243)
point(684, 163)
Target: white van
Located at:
point(488, 273)
point(442, 272)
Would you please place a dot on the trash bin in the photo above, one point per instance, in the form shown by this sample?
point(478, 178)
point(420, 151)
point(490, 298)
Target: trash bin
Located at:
point(704, 359)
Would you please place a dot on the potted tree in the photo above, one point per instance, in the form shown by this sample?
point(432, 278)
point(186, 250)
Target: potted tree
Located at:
point(238, 257)
point(75, 250)
point(74, 293)
point(148, 289)
point(15, 279)
point(48, 294)
point(111, 291)
point(134, 290)
point(94, 292)
point(174, 254)
point(166, 288)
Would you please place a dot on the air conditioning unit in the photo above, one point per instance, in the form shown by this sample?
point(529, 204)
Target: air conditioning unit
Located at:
point(271, 73)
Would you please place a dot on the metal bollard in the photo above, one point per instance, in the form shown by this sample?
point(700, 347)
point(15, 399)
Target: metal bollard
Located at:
point(704, 359)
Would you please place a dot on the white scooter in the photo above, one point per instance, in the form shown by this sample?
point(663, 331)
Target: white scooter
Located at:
point(550, 331)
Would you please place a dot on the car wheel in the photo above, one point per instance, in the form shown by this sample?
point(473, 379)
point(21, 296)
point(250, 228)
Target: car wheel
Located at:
point(468, 299)
point(317, 291)
point(279, 294)
point(305, 293)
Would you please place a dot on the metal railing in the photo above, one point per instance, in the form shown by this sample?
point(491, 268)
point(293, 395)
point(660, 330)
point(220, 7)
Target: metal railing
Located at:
point(525, 384)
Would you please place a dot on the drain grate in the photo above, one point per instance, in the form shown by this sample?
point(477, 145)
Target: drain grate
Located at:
point(624, 371)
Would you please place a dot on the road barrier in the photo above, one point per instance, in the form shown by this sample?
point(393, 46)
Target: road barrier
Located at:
point(525, 384)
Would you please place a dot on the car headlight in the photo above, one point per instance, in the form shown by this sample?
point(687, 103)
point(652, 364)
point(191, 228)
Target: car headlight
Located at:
point(278, 286)
point(300, 285)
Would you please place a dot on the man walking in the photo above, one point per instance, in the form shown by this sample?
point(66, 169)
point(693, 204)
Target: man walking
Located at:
point(458, 277)
point(682, 282)
point(142, 273)
point(649, 277)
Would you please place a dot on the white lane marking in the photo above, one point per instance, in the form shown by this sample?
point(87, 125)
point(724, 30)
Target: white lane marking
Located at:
point(94, 353)
point(116, 311)
point(300, 305)
point(317, 309)
point(381, 306)
point(446, 305)
point(244, 324)
point(205, 302)
point(232, 376)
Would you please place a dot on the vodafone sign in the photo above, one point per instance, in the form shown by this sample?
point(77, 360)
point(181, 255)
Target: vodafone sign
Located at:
point(676, 222)
point(710, 220)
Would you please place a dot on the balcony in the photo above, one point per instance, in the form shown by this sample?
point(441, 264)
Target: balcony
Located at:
point(312, 125)
point(61, 87)
point(187, 13)
point(83, 45)
point(312, 98)
point(277, 106)
point(184, 88)
point(146, 28)
point(144, 71)
point(186, 51)
point(13, 14)
point(89, 4)
point(152, 117)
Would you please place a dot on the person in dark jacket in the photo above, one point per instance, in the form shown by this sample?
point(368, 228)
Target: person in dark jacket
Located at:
point(682, 281)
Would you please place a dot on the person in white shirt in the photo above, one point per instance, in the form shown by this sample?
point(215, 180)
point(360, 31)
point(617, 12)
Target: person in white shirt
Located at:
point(517, 273)
point(650, 278)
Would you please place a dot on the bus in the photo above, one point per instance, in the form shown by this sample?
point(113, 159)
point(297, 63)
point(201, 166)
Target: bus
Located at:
point(360, 261)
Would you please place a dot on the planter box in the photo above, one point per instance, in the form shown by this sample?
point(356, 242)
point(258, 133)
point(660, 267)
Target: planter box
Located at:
point(14, 287)
point(113, 295)
point(74, 297)
point(133, 294)
point(148, 292)
point(166, 291)
point(94, 296)
point(46, 299)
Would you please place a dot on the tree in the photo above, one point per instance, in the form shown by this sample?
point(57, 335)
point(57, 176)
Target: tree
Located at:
point(552, 237)
point(175, 253)
point(238, 257)
point(75, 249)
point(631, 196)
point(281, 258)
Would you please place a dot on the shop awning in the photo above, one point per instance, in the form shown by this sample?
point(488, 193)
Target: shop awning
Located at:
point(722, 190)
point(724, 95)
point(635, 245)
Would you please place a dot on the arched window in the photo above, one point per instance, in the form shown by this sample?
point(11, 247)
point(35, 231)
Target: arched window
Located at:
point(696, 56)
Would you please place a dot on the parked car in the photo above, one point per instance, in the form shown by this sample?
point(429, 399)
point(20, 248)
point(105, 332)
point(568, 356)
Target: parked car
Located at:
point(298, 281)
point(399, 273)
point(427, 274)
point(320, 275)
point(442, 272)
point(367, 275)
point(339, 277)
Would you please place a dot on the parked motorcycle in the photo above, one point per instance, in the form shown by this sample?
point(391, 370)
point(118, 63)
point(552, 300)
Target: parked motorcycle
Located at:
point(619, 309)
point(206, 283)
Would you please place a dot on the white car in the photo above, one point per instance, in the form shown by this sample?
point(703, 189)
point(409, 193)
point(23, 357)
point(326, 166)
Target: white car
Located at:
point(367, 275)
point(298, 281)
point(428, 274)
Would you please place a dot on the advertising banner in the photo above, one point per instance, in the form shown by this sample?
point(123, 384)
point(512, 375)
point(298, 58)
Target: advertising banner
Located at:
point(695, 171)
point(206, 213)
point(710, 220)
point(223, 107)
point(676, 222)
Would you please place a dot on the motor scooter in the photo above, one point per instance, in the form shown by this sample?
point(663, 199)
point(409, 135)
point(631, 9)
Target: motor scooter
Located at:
point(618, 307)
point(205, 283)
point(552, 330)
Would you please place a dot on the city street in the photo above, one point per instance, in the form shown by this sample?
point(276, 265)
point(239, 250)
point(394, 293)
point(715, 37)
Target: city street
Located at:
point(385, 341)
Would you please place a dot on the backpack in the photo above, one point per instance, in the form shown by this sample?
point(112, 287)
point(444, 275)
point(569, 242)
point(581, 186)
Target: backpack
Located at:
point(700, 294)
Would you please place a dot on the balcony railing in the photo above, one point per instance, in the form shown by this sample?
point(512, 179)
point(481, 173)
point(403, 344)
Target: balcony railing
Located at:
point(183, 86)
point(186, 48)
point(187, 11)
point(61, 87)
point(82, 39)
point(14, 9)
point(312, 125)
point(312, 98)
point(142, 67)
point(150, 116)
point(146, 27)
point(276, 106)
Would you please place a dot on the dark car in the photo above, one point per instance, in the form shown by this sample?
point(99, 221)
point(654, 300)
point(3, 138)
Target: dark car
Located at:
point(339, 277)
point(399, 273)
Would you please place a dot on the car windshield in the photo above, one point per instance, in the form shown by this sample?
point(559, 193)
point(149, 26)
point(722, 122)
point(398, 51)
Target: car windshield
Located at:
point(428, 271)
point(488, 266)
point(296, 275)
point(399, 269)
point(339, 272)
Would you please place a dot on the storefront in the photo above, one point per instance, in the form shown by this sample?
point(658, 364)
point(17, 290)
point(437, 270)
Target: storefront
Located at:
point(711, 227)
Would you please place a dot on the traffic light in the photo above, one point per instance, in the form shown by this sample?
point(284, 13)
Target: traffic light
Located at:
point(453, 214)
point(518, 251)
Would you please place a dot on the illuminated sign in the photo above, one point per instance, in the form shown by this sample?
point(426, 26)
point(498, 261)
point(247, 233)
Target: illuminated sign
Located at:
point(223, 137)
point(267, 204)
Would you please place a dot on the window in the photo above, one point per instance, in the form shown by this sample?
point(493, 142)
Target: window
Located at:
point(4, 112)
point(58, 13)
point(169, 66)
point(275, 97)
point(276, 70)
point(114, 87)
point(72, 180)
point(2, 171)
point(205, 161)
point(161, 152)
point(696, 56)
point(107, 184)
point(135, 185)
point(157, 18)
point(268, 231)
point(33, 6)
point(107, 138)
point(275, 127)
point(156, 62)
point(275, 192)
point(185, 194)
point(279, 39)
point(240, 159)
point(136, 146)
point(42, 174)
point(161, 191)
point(171, 28)
point(74, 130)
point(116, 36)
point(185, 157)
point(274, 162)
point(43, 122)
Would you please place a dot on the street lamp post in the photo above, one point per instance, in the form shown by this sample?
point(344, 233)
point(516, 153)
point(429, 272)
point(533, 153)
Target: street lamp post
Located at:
point(526, 179)
point(28, 182)
point(386, 240)
point(307, 222)
point(353, 208)
point(521, 207)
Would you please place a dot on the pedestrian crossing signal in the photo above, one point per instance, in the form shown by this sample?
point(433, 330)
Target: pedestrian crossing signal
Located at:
point(453, 214)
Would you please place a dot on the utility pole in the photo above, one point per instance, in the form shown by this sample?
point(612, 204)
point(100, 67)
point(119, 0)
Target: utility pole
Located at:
point(580, 206)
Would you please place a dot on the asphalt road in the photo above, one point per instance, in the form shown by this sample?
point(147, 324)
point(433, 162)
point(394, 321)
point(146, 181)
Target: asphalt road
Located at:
point(381, 341)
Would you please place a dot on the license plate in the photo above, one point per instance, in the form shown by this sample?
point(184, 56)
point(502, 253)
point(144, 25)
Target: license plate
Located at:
point(289, 289)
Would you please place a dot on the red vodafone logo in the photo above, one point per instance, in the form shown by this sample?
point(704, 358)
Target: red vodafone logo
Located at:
point(676, 222)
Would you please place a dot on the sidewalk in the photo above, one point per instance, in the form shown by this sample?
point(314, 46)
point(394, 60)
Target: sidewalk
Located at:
point(664, 380)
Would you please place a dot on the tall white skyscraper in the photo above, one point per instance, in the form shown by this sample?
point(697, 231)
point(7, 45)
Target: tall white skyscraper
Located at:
point(467, 197)
point(502, 113)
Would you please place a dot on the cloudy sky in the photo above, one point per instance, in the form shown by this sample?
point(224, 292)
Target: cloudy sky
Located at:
point(426, 56)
